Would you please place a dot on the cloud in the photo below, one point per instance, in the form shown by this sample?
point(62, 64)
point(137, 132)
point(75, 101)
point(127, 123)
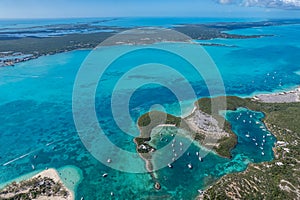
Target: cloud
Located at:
point(281, 4)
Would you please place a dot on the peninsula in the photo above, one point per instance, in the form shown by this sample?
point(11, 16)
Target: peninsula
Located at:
point(23, 45)
point(281, 118)
point(45, 185)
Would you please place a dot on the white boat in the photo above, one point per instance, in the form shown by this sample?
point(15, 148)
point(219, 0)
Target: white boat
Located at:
point(262, 153)
point(197, 153)
point(104, 175)
point(170, 166)
point(200, 159)
point(109, 160)
point(256, 144)
point(264, 141)
point(190, 166)
point(180, 143)
point(247, 135)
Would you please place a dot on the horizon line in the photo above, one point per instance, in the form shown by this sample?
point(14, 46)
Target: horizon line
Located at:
point(120, 17)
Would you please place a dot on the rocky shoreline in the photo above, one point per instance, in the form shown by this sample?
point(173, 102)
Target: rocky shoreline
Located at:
point(281, 97)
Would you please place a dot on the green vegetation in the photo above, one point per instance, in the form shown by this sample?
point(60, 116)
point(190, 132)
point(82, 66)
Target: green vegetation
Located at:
point(278, 179)
point(272, 111)
point(52, 45)
point(152, 119)
point(226, 145)
point(155, 118)
point(38, 46)
point(149, 121)
point(33, 188)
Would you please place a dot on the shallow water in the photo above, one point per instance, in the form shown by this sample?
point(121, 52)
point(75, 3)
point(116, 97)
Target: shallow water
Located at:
point(36, 115)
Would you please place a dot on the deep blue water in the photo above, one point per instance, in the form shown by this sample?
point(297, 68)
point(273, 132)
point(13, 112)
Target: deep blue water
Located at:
point(36, 114)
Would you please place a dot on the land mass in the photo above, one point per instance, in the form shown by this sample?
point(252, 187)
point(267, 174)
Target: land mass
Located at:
point(73, 36)
point(45, 185)
point(259, 181)
point(278, 179)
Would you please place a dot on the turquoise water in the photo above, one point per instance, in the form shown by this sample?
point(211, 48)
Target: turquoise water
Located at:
point(212, 167)
point(109, 21)
point(264, 64)
point(56, 27)
point(36, 115)
point(254, 140)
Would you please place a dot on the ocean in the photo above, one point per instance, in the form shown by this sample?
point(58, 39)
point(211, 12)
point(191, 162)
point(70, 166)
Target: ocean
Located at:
point(37, 128)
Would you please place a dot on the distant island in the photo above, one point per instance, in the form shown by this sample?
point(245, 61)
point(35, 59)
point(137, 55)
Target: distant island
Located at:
point(277, 178)
point(15, 49)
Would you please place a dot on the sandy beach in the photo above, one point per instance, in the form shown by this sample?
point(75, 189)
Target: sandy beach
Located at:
point(53, 174)
point(48, 173)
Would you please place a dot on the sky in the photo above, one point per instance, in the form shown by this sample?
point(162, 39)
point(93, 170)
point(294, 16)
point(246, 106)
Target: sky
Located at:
point(153, 8)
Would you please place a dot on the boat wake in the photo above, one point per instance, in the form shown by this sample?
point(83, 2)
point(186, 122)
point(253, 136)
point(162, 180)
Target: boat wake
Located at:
point(18, 158)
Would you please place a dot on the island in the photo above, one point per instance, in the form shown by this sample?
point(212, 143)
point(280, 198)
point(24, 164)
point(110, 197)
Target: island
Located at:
point(269, 179)
point(45, 185)
point(23, 45)
point(260, 180)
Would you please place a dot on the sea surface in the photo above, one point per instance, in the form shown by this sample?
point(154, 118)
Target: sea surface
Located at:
point(57, 27)
point(37, 128)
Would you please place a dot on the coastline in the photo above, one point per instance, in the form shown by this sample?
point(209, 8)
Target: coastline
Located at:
point(143, 183)
point(283, 97)
point(288, 96)
point(51, 175)
point(201, 117)
point(14, 50)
